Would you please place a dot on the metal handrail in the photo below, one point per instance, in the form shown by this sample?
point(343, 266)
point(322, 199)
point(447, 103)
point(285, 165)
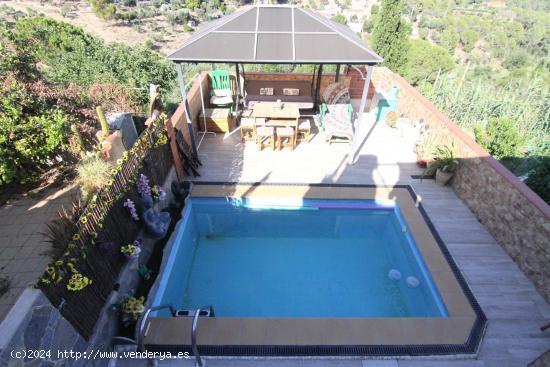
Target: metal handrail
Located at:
point(199, 362)
point(141, 324)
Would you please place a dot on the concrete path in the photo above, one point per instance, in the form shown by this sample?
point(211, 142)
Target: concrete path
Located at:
point(23, 250)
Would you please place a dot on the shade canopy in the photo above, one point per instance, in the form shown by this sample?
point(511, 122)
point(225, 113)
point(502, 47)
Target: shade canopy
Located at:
point(278, 34)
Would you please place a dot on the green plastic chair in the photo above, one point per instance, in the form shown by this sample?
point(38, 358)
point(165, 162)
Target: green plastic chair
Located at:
point(221, 94)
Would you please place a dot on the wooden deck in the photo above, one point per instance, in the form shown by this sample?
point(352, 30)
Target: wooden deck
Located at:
point(385, 159)
point(514, 308)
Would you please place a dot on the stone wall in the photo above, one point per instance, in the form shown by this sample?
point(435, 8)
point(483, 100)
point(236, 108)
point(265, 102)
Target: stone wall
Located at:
point(34, 324)
point(515, 216)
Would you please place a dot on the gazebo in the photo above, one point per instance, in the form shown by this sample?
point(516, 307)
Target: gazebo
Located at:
point(276, 34)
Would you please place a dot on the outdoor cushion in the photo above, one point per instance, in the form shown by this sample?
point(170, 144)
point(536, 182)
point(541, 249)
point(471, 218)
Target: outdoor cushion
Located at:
point(221, 92)
point(304, 125)
point(264, 130)
point(266, 91)
point(302, 102)
point(221, 101)
point(338, 124)
point(291, 91)
point(285, 131)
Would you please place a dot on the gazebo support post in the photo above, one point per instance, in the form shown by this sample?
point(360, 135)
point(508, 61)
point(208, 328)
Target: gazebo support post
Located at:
point(337, 73)
point(238, 90)
point(353, 156)
point(364, 96)
point(318, 84)
point(181, 82)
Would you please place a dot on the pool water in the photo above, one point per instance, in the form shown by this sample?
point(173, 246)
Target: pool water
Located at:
point(305, 258)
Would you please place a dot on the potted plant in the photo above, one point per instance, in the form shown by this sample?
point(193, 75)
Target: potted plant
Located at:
point(391, 119)
point(131, 309)
point(444, 164)
point(132, 250)
point(424, 149)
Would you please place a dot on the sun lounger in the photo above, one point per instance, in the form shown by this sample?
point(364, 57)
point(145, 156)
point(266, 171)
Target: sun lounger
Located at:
point(338, 123)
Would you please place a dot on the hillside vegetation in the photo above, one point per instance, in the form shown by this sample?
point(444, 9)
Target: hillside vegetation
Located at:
point(485, 65)
point(53, 75)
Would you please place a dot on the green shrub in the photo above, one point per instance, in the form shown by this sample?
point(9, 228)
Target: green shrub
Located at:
point(448, 39)
point(517, 58)
point(500, 137)
point(30, 135)
point(468, 39)
point(339, 18)
point(103, 9)
point(70, 55)
point(92, 172)
point(539, 179)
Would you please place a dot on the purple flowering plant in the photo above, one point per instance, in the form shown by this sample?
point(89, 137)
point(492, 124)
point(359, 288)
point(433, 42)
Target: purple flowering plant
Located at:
point(143, 187)
point(132, 209)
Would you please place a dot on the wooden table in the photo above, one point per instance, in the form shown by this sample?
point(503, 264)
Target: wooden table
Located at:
point(278, 115)
point(274, 115)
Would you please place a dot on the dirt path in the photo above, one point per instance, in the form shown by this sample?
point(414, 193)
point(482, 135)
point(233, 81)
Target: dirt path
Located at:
point(165, 37)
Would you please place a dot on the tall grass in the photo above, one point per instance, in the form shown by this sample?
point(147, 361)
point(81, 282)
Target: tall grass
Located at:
point(471, 103)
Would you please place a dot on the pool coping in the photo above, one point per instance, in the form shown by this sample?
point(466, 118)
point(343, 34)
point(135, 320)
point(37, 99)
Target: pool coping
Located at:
point(458, 334)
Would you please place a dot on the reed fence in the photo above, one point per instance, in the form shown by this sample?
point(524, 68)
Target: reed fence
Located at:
point(80, 282)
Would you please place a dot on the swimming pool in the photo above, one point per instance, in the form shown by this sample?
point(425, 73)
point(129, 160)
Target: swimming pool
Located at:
point(303, 258)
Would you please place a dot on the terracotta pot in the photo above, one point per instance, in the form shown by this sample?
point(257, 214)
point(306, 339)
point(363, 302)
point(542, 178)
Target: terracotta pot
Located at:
point(442, 177)
point(421, 161)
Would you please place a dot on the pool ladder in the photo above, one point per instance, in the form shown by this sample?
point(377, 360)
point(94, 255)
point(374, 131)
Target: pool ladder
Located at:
point(207, 311)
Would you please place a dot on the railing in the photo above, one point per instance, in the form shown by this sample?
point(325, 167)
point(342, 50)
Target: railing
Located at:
point(80, 282)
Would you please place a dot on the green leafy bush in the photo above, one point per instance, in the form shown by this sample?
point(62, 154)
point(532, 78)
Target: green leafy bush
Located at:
point(448, 39)
point(339, 18)
point(70, 55)
point(517, 58)
point(29, 141)
point(500, 137)
point(104, 9)
point(468, 39)
point(539, 179)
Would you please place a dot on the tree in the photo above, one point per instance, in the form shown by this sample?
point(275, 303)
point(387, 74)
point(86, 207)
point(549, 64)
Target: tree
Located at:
point(390, 35)
point(425, 61)
point(368, 25)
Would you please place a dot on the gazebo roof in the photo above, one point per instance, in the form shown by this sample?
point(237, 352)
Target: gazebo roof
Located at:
point(278, 34)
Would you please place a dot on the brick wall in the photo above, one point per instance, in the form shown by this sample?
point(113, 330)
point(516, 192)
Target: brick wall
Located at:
point(348, 76)
point(515, 216)
point(326, 79)
point(357, 83)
